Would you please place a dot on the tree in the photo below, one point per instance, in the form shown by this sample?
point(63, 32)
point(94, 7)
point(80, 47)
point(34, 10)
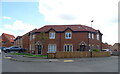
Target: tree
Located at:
point(43, 37)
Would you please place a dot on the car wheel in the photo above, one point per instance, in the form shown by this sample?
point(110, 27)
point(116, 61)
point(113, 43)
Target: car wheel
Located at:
point(7, 51)
point(20, 51)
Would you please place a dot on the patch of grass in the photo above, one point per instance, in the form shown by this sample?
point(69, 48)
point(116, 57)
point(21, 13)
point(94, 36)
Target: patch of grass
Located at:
point(37, 55)
point(27, 54)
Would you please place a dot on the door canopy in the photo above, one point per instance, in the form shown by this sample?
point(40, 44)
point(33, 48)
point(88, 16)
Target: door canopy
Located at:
point(38, 43)
point(82, 43)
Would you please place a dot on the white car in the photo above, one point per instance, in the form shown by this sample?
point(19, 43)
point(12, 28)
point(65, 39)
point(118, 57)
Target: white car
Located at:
point(107, 50)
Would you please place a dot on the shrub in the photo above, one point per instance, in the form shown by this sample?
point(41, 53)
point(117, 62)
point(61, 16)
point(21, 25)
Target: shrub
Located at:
point(96, 50)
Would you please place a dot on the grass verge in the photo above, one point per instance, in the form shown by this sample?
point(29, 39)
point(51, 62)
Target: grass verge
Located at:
point(29, 55)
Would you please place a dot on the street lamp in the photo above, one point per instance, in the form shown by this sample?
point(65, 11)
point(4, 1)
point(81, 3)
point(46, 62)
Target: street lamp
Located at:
point(91, 41)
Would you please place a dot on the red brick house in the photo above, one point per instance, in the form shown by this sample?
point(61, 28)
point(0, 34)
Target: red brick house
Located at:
point(18, 41)
point(106, 46)
point(7, 40)
point(67, 38)
point(116, 47)
point(23, 41)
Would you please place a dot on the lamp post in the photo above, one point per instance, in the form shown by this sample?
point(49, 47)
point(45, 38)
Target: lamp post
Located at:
point(91, 41)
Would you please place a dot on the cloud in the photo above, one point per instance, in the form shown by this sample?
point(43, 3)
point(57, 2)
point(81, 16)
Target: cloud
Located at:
point(103, 12)
point(19, 27)
point(5, 17)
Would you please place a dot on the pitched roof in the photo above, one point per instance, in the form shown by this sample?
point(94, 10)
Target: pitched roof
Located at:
point(60, 28)
point(18, 37)
point(116, 44)
point(9, 37)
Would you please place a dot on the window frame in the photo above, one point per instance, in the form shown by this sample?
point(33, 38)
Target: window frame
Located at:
point(69, 50)
point(98, 37)
point(89, 35)
point(52, 48)
point(92, 35)
point(51, 34)
point(68, 33)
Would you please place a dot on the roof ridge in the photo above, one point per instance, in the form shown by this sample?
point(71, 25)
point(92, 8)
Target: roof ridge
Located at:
point(66, 25)
point(8, 34)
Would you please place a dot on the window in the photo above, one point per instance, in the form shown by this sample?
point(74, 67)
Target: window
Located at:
point(89, 35)
point(92, 36)
point(89, 47)
point(98, 47)
point(92, 47)
point(52, 35)
point(30, 37)
point(68, 47)
point(68, 35)
point(97, 36)
point(30, 47)
point(52, 48)
point(33, 36)
point(3, 42)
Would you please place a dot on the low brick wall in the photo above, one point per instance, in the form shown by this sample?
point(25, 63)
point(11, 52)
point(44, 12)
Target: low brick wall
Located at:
point(77, 54)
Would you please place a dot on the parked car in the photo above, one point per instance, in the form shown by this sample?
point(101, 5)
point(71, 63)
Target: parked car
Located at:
point(0, 51)
point(107, 50)
point(13, 48)
point(2, 48)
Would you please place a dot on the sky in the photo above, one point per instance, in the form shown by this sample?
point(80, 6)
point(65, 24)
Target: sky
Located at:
point(21, 16)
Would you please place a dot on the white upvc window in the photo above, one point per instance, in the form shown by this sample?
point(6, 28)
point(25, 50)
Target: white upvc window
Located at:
point(89, 47)
point(68, 47)
point(30, 37)
point(98, 47)
point(89, 35)
point(92, 47)
point(68, 35)
point(33, 36)
point(92, 35)
point(52, 48)
point(33, 47)
point(30, 47)
point(98, 37)
point(52, 35)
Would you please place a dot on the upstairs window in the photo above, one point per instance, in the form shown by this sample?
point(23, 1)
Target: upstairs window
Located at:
point(89, 35)
point(98, 37)
point(33, 36)
point(52, 35)
point(30, 37)
point(68, 35)
point(92, 35)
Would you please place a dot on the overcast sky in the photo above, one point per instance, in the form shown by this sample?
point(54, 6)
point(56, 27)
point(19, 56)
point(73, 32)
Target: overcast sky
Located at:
point(21, 17)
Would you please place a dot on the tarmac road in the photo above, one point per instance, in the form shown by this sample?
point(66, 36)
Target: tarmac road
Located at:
point(103, 64)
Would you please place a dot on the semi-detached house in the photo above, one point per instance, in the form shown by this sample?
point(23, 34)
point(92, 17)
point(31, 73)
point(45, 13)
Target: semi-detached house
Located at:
point(67, 38)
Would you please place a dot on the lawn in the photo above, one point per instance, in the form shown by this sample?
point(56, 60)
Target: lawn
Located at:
point(29, 55)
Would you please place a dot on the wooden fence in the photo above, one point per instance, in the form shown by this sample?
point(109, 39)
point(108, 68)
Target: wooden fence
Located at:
point(77, 54)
